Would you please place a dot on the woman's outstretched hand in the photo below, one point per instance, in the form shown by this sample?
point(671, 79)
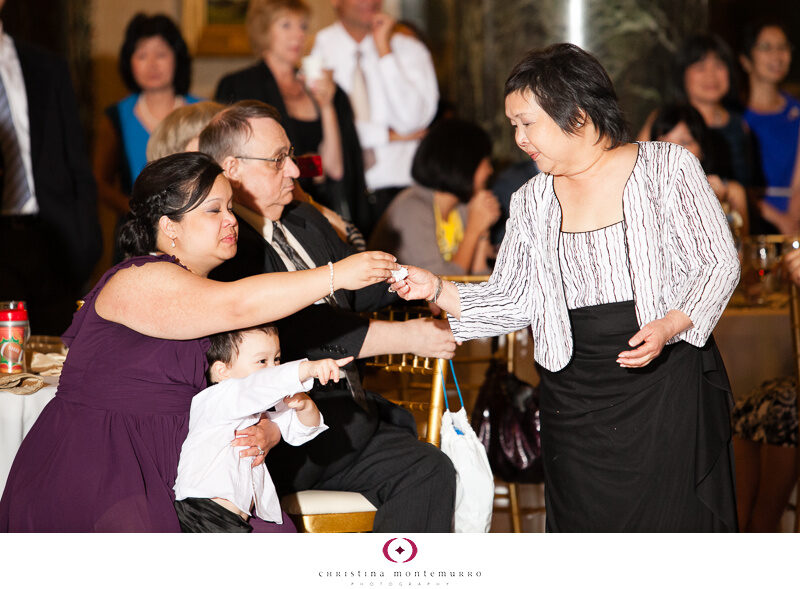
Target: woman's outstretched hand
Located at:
point(419, 284)
point(364, 269)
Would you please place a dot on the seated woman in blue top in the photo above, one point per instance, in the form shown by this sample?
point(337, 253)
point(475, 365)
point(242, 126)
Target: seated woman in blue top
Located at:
point(774, 118)
point(155, 65)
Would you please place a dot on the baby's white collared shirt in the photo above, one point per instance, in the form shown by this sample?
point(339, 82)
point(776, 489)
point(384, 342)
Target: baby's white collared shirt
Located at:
point(210, 467)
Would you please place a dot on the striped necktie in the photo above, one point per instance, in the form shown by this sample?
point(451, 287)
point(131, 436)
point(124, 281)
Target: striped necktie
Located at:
point(16, 191)
point(351, 374)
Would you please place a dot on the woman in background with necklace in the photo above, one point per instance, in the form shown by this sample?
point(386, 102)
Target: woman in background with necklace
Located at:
point(155, 65)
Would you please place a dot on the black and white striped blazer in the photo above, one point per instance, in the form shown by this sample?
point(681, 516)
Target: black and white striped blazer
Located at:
point(681, 256)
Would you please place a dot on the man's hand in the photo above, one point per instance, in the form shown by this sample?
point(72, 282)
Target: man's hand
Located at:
point(382, 26)
point(430, 338)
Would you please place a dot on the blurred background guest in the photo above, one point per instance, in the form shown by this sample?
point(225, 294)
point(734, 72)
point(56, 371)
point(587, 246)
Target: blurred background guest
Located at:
point(506, 184)
point(180, 129)
point(315, 112)
point(774, 118)
point(682, 124)
point(705, 78)
point(442, 223)
point(155, 66)
point(392, 86)
point(49, 232)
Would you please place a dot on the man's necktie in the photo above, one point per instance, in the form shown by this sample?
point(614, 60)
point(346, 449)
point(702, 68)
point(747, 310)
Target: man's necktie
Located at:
point(279, 239)
point(359, 97)
point(16, 191)
point(359, 100)
point(350, 372)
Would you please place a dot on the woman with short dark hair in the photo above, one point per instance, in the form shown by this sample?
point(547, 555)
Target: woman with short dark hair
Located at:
point(443, 221)
point(619, 258)
point(705, 76)
point(103, 454)
point(155, 65)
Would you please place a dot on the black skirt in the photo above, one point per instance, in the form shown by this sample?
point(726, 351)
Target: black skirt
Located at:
point(636, 450)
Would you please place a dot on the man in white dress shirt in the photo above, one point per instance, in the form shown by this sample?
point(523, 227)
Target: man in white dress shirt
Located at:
point(392, 86)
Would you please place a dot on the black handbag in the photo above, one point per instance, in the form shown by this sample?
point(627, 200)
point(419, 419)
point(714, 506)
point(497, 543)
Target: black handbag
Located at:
point(506, 420)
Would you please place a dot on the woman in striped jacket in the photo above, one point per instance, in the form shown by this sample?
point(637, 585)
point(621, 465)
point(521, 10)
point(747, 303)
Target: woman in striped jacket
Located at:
point(620, 259)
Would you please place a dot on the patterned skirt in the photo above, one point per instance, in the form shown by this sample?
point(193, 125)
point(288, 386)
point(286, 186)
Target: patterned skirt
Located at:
point(768, 414)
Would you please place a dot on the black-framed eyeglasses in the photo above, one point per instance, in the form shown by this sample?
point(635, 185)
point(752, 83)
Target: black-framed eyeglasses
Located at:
point(278, 161)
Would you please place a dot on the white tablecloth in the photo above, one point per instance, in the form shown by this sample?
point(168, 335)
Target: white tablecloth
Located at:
point(756, 345)
point(17, 415)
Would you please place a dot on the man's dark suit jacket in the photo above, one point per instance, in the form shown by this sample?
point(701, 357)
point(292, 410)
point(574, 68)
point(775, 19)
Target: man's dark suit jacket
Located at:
point(318, 331)
point(65, 187)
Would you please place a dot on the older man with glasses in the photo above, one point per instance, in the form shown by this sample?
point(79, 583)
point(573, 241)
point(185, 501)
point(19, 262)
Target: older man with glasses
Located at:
point(371, 446)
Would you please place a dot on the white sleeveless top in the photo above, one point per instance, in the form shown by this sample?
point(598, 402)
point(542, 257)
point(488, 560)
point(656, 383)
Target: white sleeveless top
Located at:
point(594, 267)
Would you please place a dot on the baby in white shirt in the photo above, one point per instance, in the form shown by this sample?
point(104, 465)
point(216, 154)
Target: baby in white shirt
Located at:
point(216, 490)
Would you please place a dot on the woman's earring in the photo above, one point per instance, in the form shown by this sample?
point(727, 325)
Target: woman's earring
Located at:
point(173, 243)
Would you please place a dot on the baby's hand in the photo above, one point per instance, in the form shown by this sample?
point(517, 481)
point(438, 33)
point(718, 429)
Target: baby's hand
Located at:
point(323, 370)
point(299, 402)
point(306, 409)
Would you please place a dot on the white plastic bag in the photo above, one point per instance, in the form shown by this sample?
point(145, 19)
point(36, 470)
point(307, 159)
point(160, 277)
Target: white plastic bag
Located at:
point(474, 479)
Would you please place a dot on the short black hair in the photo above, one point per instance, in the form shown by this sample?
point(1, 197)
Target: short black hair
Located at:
point(570, 84)
point(752, 30)
point(671, 115)
point(449, 155)
point(225, 346)
point(141, 27)
point(696, 48)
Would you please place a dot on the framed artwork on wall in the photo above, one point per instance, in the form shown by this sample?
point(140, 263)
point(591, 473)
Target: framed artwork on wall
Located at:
point(215, 27)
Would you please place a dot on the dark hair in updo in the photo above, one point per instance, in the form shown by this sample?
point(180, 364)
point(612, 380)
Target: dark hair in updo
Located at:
point(568, 83)
point(171, 186)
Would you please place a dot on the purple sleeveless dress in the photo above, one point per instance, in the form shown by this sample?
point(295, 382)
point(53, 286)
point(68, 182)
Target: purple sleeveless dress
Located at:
point(103, 454)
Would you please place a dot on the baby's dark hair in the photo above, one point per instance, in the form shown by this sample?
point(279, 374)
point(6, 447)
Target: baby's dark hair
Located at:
point(225, 346)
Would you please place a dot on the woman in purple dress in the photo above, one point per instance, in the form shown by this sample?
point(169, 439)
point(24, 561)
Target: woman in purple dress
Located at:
point(103, 454)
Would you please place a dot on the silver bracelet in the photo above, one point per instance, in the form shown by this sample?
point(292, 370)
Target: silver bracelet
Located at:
point(438, 291)
point(330, 265)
